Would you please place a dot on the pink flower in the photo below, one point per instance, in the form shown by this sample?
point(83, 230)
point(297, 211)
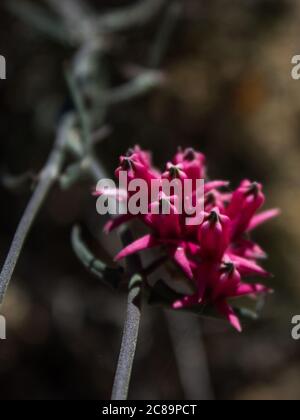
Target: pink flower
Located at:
point(137, 164)
point(214, 235)
point(217, 284)
point(245, 202)
point(193, 163)
point(215, 255)
point(175, 172)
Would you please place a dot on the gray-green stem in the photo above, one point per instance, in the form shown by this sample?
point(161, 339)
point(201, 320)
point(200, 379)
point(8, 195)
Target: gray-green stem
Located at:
point(47, 178)
point(133, 312)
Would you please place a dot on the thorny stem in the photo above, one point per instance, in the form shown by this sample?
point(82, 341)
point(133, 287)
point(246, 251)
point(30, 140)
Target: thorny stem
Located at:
point(47, 178)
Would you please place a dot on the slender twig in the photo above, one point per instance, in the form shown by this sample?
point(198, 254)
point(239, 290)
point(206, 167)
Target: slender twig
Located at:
point(186, 335)
point(125, 18)
point(47, 178)
point(77, 17)
point(135, 88)
point(37, 17)
point(72, 11)
point(165, 32)
point(86, 132)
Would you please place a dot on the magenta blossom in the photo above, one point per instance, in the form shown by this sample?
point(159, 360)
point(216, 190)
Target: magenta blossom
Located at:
point(216, 255)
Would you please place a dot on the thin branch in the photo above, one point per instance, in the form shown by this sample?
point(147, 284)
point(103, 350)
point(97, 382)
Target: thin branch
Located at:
point(165, 32)
point(186, 335)
point(139, 86)
point(125, 18)
point(83, 115)
point(72, 11)
point(47, 178)
point(37, 17)
point(77, 17)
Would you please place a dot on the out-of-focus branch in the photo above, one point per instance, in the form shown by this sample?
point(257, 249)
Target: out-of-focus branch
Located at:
point(188, 346)
point(47, 178)
point(166, 30)
point(125, 18)
point(72, 11)
point(83, 25)
point(140, 85)
point(37, 17)
point(77, 17)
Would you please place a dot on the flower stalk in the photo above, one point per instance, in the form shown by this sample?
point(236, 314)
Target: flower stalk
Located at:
point(129, 342)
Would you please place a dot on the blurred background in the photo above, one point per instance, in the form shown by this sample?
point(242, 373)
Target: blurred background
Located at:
point(228, 91)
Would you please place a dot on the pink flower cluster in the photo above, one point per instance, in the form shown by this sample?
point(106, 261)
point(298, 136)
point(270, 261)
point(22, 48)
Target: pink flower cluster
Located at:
point(217, 255)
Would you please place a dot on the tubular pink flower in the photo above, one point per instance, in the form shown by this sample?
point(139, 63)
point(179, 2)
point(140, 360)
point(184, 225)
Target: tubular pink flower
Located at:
point(245, 202)
point(214, 235)
point(137, 166)
point(228, 281)
point(221, 284)
point(193, 163)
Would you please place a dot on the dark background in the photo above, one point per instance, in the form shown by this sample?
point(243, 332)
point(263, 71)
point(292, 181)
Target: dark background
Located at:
point(229, 93)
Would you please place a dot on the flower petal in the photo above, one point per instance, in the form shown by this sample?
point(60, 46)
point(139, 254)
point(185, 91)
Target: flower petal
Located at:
point(213, 185)
point(262, 218)
point(251, 289)
point(227, 311)
point(248, 267)
point(147, 242)
point(179, 256)
point(185, 302)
